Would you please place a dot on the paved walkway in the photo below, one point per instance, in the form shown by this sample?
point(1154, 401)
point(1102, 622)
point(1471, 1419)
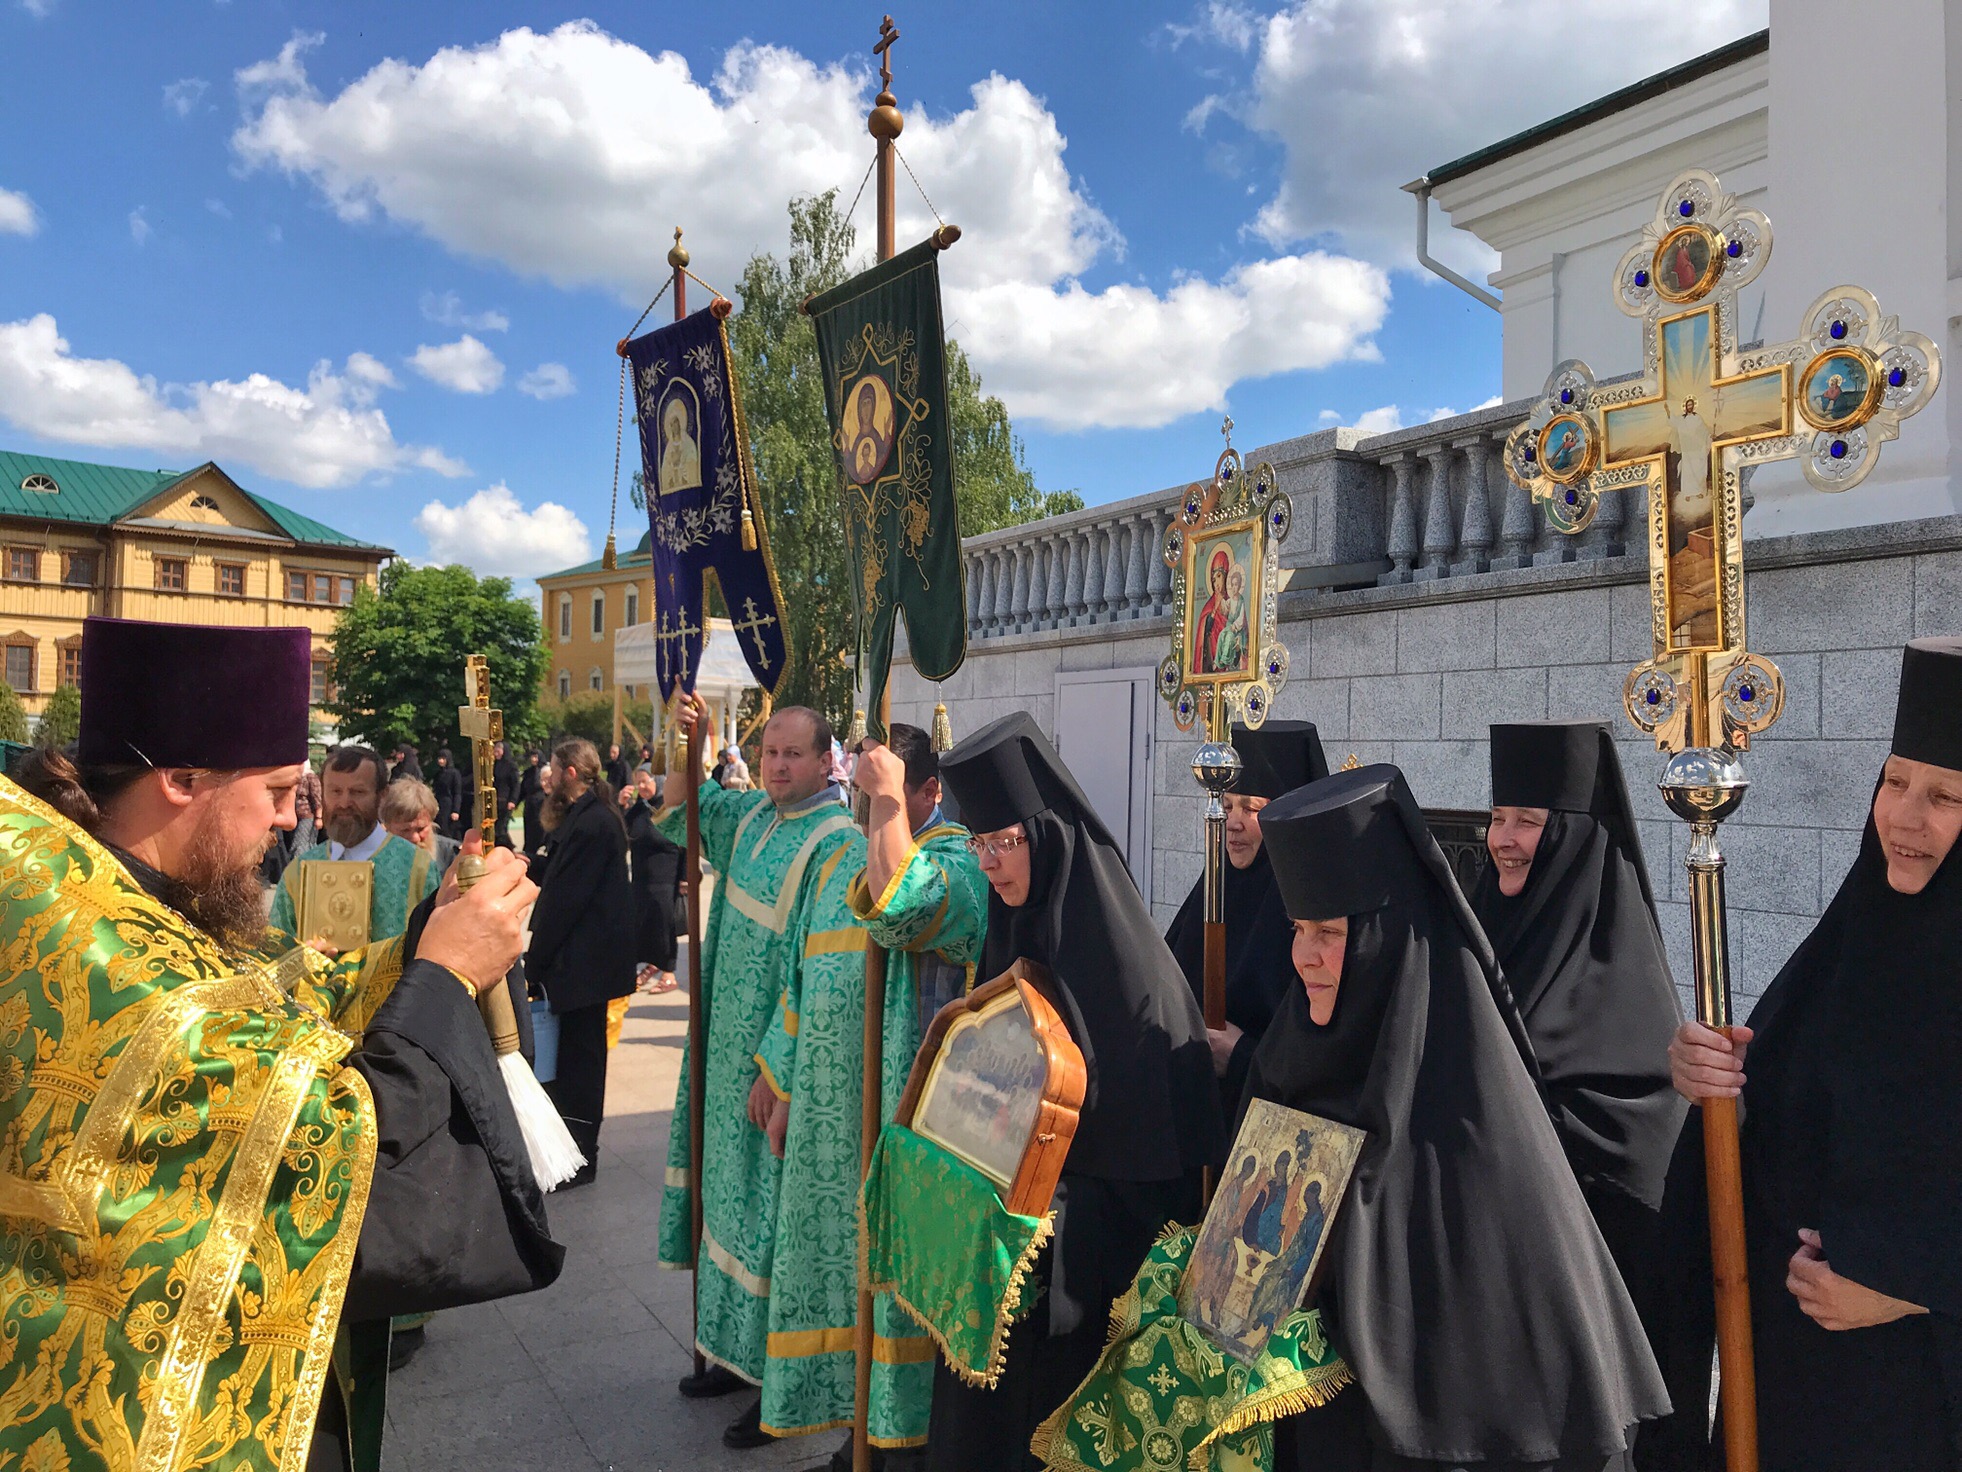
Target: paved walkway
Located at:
point(581, 1377)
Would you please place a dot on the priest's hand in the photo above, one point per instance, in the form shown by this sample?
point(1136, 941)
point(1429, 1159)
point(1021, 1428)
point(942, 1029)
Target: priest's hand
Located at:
point(1833, 1302)
point(778, 1126)
point(1223, 1040)
point(689, 712)
point(1704, 1064)
point(481, 934)
point(762, 1099)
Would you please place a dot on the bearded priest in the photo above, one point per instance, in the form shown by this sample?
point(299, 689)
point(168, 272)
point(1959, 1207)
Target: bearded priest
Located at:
point(212, 1197)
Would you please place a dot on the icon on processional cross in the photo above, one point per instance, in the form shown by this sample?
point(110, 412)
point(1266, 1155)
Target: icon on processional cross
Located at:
point(1703, 411)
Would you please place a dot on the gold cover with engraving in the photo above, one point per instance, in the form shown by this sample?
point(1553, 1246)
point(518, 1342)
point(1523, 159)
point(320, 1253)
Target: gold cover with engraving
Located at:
point(336, 899)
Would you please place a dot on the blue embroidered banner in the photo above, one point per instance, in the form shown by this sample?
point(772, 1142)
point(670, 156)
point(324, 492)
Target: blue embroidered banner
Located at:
point(695, 465)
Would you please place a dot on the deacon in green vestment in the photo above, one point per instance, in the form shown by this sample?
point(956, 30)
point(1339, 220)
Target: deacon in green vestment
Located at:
point(914, 889)
point(766, 849)
point(351, 789)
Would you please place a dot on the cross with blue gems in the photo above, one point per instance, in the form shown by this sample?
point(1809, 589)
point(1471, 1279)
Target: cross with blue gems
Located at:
point(1684, 432)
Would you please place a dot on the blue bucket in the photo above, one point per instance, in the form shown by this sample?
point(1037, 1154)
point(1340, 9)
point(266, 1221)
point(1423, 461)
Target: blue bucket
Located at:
point(544, 1041)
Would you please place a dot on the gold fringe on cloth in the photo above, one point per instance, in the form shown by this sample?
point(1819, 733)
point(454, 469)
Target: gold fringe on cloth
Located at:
point(943, 729)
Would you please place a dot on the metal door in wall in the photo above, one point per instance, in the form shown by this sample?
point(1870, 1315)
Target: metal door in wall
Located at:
point(1103, 732)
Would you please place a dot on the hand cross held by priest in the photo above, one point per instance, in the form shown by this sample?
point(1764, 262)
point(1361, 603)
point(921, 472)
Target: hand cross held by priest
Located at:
point(227, 1156)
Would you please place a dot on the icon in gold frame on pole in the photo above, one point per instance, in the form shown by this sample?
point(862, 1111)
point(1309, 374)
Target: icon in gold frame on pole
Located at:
point(1223, 612)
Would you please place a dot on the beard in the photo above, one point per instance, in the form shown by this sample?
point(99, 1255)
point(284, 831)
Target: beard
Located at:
point(218, 888)
point(348, 826)
point(552, 811)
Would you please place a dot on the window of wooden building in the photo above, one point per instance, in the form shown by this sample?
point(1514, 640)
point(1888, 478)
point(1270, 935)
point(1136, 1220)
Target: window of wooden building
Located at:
point(318, 587)
point(78, 569)
point(171, 574)
point(231, 579)
point(323, 681)
point(23, 564)
point(69, 653)
point(20, 663)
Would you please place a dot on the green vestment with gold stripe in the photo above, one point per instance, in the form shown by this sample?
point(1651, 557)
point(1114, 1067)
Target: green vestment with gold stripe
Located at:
point(766, 863)
point(813, 1055)
point(404, 878)
point(184, 1169)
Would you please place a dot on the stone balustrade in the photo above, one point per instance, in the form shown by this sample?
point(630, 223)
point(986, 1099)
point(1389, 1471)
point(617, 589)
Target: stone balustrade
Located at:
point(1418, 505)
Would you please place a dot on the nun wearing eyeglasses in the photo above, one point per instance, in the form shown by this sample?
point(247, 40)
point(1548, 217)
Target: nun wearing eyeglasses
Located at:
point(1465, 1284)
point(1062, 895)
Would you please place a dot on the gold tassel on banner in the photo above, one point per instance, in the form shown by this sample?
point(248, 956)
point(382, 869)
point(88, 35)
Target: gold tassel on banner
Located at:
point(749, 529)
point(943, 729)
point(857, 732)
point(610, 558)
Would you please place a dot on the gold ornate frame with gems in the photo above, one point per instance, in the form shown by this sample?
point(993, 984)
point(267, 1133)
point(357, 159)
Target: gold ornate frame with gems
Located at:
point(1237, 503)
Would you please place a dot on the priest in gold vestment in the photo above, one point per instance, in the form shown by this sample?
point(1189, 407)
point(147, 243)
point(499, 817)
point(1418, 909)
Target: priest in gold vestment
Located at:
point(225, 1161)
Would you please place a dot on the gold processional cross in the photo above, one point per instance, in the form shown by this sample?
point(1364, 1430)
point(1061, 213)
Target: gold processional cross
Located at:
point(484, 727)
point(1702, 412)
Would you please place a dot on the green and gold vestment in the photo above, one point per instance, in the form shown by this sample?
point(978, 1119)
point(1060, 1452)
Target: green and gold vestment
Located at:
point(184, 1169)
point(812, 1055)
point(766, 862)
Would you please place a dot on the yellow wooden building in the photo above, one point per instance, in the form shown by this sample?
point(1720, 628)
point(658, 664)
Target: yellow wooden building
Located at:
point(581, 608)
point(188, 546)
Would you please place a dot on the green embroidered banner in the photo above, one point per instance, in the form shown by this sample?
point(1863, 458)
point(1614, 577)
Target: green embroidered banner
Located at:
point(939, 1240)
point(884, 360)
point(1164, 1396)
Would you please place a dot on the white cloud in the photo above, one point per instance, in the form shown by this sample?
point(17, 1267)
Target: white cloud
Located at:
point(465, 366)
point(17, 214)
point(367, 369)
point(39, 9)
point(548, 381)
point(490, 149)
point(1223, 23)
point(1388, 417)
point(219, 208)
point(447, 311)
point(1365, 95)
point(183, 95)
point(326, 434)
point(139, 224)
point(493, 534)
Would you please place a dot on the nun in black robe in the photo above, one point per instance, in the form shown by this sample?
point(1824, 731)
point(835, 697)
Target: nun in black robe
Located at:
point(1276, 759)
point(1852, 1131)
point(1583, 957)
point(1150, 1118)
point(1465, 1284)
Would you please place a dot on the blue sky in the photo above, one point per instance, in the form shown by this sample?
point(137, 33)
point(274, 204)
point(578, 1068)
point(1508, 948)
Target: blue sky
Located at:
point(373, 257)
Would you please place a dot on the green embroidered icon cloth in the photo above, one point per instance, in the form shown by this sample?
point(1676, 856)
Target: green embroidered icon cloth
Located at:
point(939, 1240)
point(1163, 1396)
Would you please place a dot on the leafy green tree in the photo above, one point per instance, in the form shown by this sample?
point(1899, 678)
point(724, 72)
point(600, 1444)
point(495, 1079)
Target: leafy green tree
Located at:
point(13, 715)
point(61, 718)
point(399, 652)
point(776, 364)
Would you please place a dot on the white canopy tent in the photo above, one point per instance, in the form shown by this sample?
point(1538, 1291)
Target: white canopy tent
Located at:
point(722, 680)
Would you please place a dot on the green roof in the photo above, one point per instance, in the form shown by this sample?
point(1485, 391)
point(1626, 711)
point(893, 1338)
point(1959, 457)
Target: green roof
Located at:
point(1626, 97)
point(97, 495)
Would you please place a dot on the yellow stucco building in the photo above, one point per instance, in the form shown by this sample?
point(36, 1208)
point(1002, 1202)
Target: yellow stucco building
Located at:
point(581, 608)
point(173, 546)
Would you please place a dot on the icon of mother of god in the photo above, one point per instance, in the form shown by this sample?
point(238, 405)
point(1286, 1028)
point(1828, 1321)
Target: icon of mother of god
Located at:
point(868, 429)
point(681, 455)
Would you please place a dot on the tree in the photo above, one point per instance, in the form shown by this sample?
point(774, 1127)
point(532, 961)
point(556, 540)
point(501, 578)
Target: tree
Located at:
point(776, 363)
point(61, 718)
point(13, 715)
point(399, 652)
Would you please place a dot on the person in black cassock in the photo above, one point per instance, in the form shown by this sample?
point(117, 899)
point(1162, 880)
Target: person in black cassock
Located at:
point(582, 936)
point(1567, 906)
point(1465, 1285)
point(1276, 759)
point(1150, 1121)
point(166, 765)
point(504, 777)
point(452, 810)
point(1852, 1145)
point(657, 885)
point(405, 763)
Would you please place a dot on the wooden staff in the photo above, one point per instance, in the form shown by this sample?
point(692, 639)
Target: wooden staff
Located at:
point(884, 123)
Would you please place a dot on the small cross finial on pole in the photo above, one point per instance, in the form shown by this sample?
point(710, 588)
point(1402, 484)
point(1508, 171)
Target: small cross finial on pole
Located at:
point(1226, 430)
point(888, 33)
